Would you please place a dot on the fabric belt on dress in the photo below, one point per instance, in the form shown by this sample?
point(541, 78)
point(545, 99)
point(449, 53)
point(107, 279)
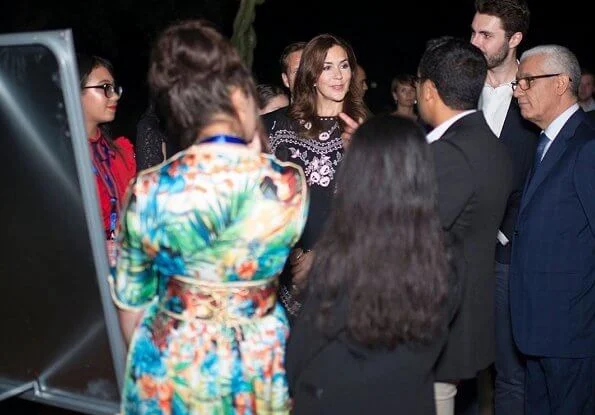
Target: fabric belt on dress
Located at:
point(232, 303)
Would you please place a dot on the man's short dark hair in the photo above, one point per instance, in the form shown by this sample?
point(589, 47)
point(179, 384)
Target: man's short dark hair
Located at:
point(457, 68)
point(288, 50)
point(514, 14)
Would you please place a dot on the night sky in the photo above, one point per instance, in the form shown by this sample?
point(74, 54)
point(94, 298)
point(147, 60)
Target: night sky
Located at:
point(386, 41)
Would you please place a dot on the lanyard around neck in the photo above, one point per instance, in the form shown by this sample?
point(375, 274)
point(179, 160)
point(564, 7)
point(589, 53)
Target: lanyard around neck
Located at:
point(220, 139)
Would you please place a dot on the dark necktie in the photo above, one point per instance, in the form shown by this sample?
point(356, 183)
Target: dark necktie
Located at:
point(541, 145)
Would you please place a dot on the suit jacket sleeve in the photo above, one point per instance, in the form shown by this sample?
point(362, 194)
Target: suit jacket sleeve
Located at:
point(455, 185)
point(584, 173)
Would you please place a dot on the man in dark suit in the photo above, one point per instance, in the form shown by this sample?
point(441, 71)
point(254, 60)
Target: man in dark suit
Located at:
point(552, 273)
point(474, 174)
point(497, 29)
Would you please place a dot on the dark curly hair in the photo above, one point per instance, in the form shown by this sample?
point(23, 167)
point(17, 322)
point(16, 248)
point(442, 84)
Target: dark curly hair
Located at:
point(193, 71)
point(514, 14)
point(383, 246)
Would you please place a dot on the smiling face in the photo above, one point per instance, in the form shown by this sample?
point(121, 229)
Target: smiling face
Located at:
point(333, 82)
point(97, 108)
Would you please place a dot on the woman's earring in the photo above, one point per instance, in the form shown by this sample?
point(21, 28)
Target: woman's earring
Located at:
point(314, 84)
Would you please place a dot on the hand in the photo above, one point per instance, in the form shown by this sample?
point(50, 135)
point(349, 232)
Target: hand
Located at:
point(350, 127)
point(301, 261)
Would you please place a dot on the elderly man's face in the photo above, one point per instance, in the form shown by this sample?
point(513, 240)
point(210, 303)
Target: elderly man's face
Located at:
point(539, 102)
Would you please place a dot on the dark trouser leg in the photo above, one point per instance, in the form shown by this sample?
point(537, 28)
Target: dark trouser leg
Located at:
point(570, 385)
point(536, 396)
point(510, 370)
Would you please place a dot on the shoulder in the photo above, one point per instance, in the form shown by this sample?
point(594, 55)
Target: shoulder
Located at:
point(276, 120)
point(585, 140)
point(124, 144)
point(448, 150)
point(287, 173)
point(283, 167)
point(126, 149)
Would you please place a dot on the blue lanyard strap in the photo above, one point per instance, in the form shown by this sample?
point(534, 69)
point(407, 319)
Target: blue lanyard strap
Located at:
point(101, 168)
point(223, 139)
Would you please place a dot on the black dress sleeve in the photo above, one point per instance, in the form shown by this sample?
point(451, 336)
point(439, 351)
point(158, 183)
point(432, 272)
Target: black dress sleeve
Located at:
point(149, 141)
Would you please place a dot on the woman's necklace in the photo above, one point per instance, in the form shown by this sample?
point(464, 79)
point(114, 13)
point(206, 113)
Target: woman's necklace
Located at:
point(325, 135)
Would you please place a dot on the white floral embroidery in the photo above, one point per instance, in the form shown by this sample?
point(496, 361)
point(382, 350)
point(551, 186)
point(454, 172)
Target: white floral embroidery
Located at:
point(318, 158)
point(320, 171)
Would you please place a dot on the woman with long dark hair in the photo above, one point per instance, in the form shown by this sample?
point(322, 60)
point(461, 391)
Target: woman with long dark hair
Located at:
point(376, 314)
point(310, 134)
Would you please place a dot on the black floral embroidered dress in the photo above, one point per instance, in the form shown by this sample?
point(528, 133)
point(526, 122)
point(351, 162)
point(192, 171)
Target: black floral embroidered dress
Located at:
point(320, 159)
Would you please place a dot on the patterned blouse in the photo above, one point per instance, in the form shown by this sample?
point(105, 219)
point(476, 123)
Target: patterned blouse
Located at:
point(203, 238)
point(319, 158)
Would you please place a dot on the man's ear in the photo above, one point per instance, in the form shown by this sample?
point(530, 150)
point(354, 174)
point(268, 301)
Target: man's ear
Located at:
point(285, 79)
point(562, 84)
point(428, 90)
point(515, 40)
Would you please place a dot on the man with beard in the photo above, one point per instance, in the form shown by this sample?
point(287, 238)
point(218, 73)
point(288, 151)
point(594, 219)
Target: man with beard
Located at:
point(497, 29)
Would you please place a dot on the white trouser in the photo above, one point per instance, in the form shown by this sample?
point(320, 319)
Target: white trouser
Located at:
point(444, 395)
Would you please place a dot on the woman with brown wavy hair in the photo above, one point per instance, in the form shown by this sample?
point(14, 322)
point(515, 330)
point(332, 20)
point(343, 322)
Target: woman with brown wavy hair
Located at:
point(311, 133)
point(375, 319)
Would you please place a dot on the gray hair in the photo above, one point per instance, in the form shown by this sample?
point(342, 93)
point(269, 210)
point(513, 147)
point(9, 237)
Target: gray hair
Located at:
point(559, 59)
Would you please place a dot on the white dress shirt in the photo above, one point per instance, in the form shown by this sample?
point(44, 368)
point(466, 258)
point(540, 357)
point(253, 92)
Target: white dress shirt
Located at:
point(555, 126)
point(494, 102)
point(437, 132)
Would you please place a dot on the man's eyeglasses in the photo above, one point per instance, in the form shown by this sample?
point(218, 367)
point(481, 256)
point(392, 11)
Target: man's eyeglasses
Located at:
point(525, 83)
point(109, 90)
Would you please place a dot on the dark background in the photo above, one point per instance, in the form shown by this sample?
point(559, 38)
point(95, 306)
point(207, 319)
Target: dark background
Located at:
point(387, 36)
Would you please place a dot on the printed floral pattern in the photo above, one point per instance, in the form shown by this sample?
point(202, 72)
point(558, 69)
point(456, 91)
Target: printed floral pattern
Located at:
point(218, 217)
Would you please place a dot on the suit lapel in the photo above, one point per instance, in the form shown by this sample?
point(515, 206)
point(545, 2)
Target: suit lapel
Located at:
point(510, 121)
point(552, 157)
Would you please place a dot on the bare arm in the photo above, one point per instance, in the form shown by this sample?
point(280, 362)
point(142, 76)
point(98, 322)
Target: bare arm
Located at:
point(129, 321)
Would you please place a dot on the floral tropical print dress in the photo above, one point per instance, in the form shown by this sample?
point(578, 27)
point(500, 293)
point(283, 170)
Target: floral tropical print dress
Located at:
point(203, 238)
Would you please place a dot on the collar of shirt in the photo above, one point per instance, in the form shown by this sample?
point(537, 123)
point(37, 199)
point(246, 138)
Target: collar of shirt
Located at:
point(555, 126)
point(437, 132)
point(494, 102)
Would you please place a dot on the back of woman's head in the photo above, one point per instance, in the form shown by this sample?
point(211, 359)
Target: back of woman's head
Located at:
point(192, 73)
point(383, 243)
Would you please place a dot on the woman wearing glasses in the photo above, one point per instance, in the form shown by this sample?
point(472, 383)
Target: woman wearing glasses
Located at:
point(113, 159)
